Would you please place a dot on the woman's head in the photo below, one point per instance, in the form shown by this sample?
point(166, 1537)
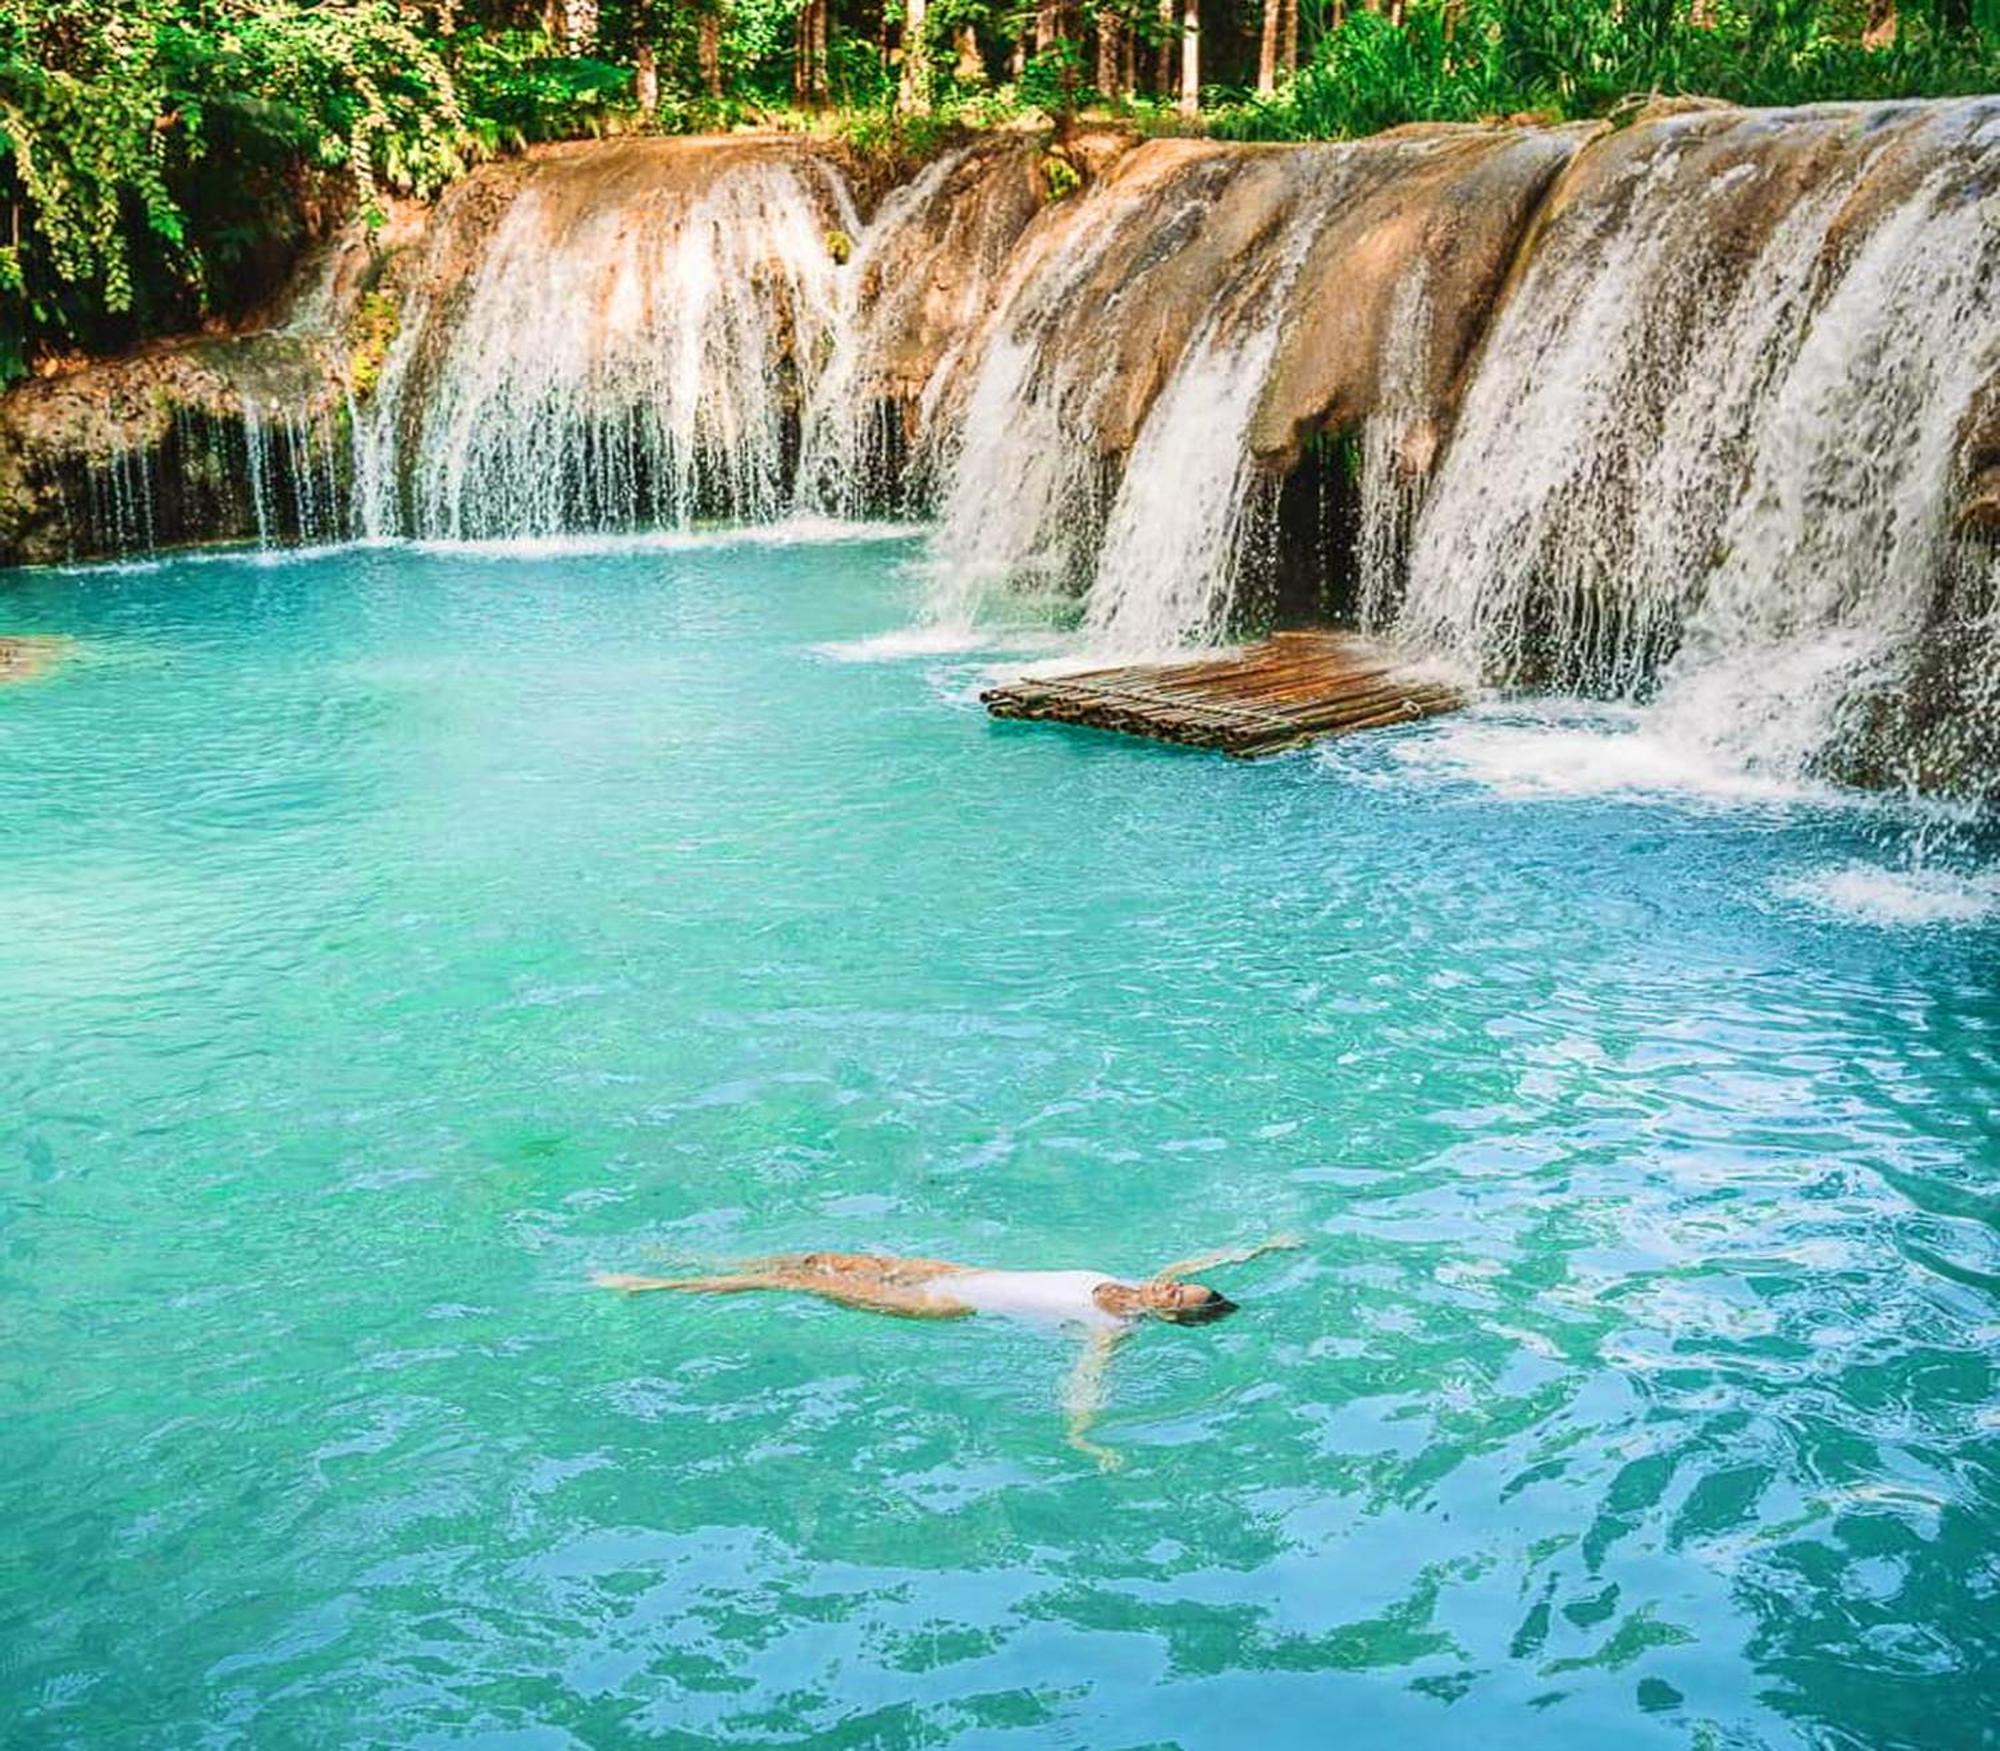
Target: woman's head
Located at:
point(1166, 1298)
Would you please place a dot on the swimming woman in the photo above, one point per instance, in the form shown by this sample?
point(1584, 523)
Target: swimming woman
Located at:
point(1106, 1307)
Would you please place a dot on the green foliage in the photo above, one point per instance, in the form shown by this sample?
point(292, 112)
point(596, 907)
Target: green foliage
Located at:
point(516, 88)
point(1463, 60)
point(375, 328)
point(1052, 80)
point(161, 161)
point(144, 143)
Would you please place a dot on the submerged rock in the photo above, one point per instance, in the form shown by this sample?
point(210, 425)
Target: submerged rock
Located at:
point(30, 658)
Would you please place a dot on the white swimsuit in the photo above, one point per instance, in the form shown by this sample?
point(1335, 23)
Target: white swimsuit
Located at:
point(1060, 1296)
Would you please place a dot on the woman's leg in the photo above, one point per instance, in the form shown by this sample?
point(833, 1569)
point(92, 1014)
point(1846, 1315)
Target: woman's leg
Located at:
point(734, 1284)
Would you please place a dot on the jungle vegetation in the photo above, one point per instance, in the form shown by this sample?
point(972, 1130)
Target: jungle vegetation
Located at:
point(161, 161)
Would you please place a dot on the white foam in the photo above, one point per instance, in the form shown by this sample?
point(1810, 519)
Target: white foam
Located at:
point(789, 532)
point(802, 531)
point(906, 642)
point(1600, 752)
point(1869, 894)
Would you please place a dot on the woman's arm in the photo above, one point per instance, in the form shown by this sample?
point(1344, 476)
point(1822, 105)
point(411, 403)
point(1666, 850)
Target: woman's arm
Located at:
point(734, 1284)
point(1083, 1397)
point(1241, 1255)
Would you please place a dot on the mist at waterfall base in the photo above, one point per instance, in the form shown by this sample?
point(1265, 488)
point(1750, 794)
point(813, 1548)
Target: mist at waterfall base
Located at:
point(402, 935)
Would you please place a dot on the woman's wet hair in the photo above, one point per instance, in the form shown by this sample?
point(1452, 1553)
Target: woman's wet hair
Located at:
point(1213, 1305)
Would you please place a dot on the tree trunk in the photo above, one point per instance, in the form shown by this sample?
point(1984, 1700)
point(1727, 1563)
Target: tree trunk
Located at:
point(809, 55)
point(708, 49)
point(914, 89)
point(1048, 25)
point(1190, 57)
point(1288, 41)
point(1109, 34)
point(645, 60)
point(1163, 68)
point(971, 65)
point(1267, 49)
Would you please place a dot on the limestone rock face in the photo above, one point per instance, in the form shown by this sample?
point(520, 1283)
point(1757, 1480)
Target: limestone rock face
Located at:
point(935, 254)
point(1427, 239)
point(147, 450)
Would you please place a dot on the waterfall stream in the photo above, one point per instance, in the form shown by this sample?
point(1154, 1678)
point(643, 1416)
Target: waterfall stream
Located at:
point(622, 355)
point(1702, 414)
point(1726, 474)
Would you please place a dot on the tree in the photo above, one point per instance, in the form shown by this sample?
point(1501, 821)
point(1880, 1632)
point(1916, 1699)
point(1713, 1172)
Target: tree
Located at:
point(1110, 59)
point(913, 91)
point(645, 60)
point(1190, 97)
point(708, 49)
point(572, 25)
point(809, 80)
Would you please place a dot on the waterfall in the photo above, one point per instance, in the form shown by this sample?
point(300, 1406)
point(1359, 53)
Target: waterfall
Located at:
point(1160, 352)
point(120, 494)
point(1702, 413)
point(1173, 544)
point(842, 468)
point(634, 345)
point(922, 274)
point(1712, 449)
point(257, 471)
point(1398, 446)
point(1023, 494)
point(295, 465)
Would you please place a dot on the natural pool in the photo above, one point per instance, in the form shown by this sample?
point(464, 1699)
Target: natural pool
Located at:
point(396, 936)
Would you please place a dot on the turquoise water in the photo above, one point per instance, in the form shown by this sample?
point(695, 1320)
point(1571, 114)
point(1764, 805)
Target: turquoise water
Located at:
point(393, 938)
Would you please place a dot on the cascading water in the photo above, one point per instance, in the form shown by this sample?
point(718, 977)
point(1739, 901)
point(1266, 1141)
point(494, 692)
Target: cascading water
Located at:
point(295, 460)
point(1398, 446)
point(841, 468)
point(120, 493)
point(1142, 387)
point(1713, 445)
point(1023, 492)
point(922, 275)
point(634, 347)
point(1708, 423)
point(1176, 538)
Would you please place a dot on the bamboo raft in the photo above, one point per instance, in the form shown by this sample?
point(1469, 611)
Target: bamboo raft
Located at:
point(1289, 690)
